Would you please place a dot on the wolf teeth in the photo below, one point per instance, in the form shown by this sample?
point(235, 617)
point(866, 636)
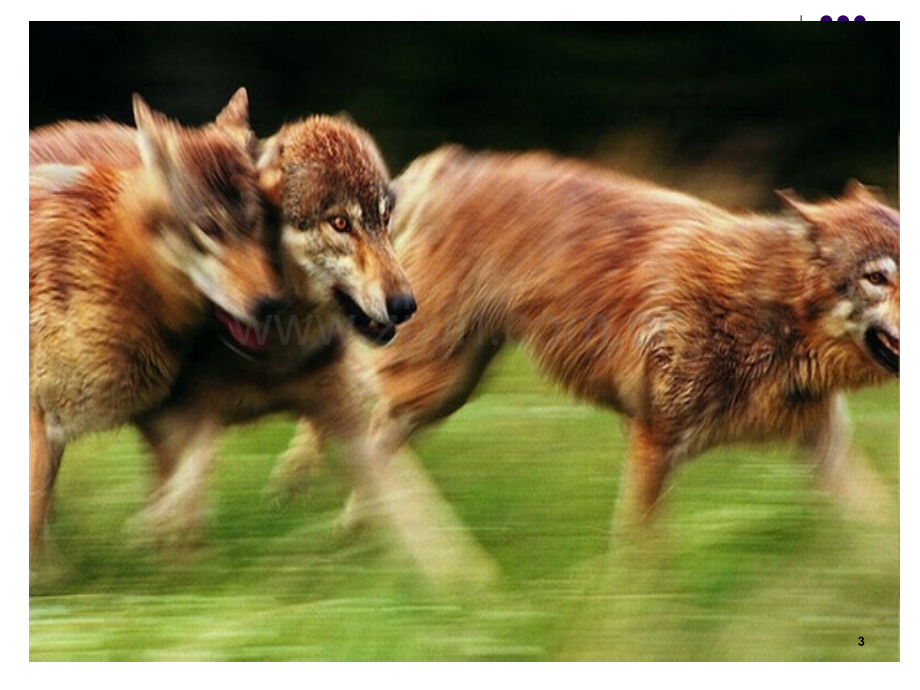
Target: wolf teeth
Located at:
point(892, 343)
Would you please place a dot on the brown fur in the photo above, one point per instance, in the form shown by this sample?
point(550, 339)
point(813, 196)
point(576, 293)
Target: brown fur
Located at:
point(131, 235)
point(700, 326)
point(319, 172)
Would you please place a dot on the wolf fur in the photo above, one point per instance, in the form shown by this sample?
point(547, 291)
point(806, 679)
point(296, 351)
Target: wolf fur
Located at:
point(700, 326)
point(134, 236)
point(344, 284)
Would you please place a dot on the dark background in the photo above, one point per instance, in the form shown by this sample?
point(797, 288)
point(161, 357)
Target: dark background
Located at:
point(726, 111)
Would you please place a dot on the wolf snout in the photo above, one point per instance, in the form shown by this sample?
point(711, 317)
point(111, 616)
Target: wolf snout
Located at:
point(266, 307)
point(401, 307)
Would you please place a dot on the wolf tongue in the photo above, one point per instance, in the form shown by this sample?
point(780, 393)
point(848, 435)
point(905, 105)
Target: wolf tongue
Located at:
point(244, 334)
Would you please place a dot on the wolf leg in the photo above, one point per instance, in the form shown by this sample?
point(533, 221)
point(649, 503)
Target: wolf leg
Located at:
point(183, 448)
point(394, 490)
point(842, 470)
point(421, 379)
point(391, 489)
point(300, 463)
point(647, 467)
point(44, 461)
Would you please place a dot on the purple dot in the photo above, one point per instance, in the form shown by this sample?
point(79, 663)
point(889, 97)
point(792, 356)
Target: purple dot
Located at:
point(843, 18)
point(859, 18)
point(826, 18)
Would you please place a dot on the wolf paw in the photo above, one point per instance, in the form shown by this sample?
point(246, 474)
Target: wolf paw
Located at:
point(167, 524)
point(297, 469)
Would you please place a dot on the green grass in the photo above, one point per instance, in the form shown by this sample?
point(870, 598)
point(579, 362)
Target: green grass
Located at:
point(750, 561)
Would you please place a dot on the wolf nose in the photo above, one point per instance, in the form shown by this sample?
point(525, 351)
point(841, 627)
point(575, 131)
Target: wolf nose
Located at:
point(266, 308)
point(401, 307)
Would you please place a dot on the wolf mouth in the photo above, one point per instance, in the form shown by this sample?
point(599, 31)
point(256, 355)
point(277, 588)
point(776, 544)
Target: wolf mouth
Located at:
point(373, 330)
point(244, 338)
point(885, 348)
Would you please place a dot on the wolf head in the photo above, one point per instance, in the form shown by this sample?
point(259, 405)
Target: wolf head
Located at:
point(858, 248)
point(211, 226)
point(331, 185)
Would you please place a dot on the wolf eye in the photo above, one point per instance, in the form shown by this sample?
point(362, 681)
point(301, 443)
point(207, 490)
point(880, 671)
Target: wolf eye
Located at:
point(210, 228)
point(340, 223)
point(876, 278)
point(385, 218)
point(206, 234)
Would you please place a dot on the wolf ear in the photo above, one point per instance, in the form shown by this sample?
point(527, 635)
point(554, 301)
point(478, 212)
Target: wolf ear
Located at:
point(857, 191)
point(794, 202)
point(152, 128)
point(345, 116)
point(810, 213)
point(234, 120)
point(236, 112)
point(268, 163)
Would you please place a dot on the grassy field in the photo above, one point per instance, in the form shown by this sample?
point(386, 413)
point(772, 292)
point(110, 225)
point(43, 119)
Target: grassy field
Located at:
point(752, 562)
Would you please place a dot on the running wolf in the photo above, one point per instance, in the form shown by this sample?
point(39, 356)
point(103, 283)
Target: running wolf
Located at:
point(135, 237)
point(345, 288)
point(699, 325)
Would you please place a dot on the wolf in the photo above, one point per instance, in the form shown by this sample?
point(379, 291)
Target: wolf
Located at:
point(346, 295)
point(345, 292)
point(137, 239)
point(700, 326)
